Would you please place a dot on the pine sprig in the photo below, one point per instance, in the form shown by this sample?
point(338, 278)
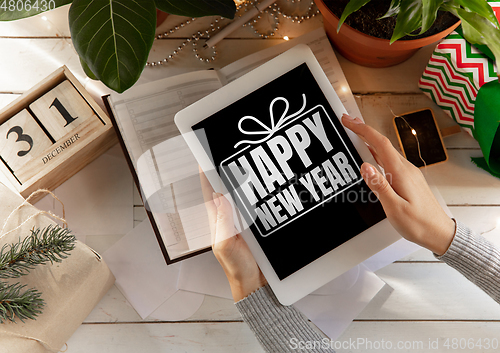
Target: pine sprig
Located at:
point(53, 244)
point(16, 302)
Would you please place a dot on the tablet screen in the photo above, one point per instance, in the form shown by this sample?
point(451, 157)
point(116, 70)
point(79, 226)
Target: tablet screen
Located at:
point(292, 170)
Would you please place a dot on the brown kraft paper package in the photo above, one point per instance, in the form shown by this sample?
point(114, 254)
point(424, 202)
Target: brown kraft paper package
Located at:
point(70, 289)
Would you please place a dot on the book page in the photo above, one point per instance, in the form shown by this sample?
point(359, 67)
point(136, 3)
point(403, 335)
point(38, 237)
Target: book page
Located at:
point(163, 162)
point(193, 214)
point(146, 113)
point(322, 49)
point(178, 168)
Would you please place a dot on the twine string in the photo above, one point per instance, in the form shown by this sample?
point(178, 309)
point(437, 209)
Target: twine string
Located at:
point(26, 202)
point(43, 343)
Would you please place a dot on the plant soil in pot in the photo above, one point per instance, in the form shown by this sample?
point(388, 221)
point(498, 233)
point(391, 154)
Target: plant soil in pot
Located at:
point(364, 40)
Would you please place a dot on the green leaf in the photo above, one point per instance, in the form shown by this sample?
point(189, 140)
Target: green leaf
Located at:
point(480, 7)
point(50, 244)
point(429, 13)
point(393, 9)
point(198, 8)
point(87, 70)
point(484, 32)
point(113, 37)
point(352, 6)
point(409, 18)
point(15, 301)
point(472, 35)
point(483, 48)
point(11, 13)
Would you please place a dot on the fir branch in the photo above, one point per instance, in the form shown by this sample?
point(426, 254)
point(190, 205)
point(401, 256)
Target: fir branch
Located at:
point(53, 244)
point(14, 302)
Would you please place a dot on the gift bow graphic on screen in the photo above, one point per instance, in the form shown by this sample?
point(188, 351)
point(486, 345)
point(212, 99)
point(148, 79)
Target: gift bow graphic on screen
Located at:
point(269, 131)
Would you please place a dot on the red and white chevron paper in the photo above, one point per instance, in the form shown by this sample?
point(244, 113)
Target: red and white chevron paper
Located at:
point(496, 8)
point(453, 76)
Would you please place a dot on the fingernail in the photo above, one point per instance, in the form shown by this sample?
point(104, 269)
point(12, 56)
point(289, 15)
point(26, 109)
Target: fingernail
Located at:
point(215, 197)
point(368, 170)
point(350, 119)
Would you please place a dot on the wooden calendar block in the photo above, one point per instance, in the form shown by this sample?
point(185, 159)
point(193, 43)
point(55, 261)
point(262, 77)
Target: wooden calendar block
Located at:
point(66, 131)
point(62, 110)
point(21, 139)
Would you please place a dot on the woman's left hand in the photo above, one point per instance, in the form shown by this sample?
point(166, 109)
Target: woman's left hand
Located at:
point(229, 247)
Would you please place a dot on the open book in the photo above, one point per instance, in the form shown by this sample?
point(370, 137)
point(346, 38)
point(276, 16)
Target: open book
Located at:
point(164, 167)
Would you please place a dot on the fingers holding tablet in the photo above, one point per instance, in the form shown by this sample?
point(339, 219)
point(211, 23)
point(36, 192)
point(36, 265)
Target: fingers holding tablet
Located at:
point(387, 156)
point(219, 210)
point(405, 196)
point(229, 247)
point(233, 253)
point(208, 191)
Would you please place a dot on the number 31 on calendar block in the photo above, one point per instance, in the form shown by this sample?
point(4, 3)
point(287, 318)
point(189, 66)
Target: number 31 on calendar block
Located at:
point(21, 139)
point(60, 111)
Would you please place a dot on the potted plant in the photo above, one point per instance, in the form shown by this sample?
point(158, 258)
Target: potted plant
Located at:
point(113, 38)
point(410, 18)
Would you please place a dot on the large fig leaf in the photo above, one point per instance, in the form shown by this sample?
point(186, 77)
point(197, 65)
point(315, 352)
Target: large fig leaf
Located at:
point(15, 10)
point(87, 71)
point(113, 37)
point(198, 8)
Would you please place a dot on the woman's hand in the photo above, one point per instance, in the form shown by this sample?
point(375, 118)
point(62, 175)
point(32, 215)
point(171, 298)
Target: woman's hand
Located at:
point(229, 247)
point(405, 196)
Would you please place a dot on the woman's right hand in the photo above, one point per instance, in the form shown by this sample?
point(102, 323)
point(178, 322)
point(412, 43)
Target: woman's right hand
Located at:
point(404, 194)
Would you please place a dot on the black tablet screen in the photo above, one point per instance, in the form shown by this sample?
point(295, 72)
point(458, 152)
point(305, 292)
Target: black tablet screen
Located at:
point(292, 169)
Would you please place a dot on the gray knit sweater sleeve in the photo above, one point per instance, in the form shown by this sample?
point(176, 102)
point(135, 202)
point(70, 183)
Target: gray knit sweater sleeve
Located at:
point(475, 258)
point(279, 328)
point(282, 328)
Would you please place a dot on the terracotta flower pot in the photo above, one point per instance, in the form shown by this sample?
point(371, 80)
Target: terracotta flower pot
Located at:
point(370, 51)
point(160, 17)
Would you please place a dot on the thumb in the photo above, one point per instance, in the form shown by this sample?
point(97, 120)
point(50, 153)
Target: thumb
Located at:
point(224, 226)
point(379, 185)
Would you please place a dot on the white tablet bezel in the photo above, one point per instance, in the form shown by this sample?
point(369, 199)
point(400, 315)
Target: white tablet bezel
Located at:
point(338, 260)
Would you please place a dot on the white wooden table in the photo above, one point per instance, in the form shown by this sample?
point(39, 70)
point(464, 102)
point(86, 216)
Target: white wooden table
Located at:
point(423, 300)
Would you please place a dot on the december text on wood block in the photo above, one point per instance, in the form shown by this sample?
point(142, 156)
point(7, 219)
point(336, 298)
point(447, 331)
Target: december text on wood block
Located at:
point(21, 140)
point(62, 110)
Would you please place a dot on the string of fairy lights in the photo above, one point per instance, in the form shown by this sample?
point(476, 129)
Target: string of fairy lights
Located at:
point(275, 13)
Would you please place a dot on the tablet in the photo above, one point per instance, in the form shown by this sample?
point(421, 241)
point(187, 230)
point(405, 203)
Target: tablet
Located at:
point(291, 171)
